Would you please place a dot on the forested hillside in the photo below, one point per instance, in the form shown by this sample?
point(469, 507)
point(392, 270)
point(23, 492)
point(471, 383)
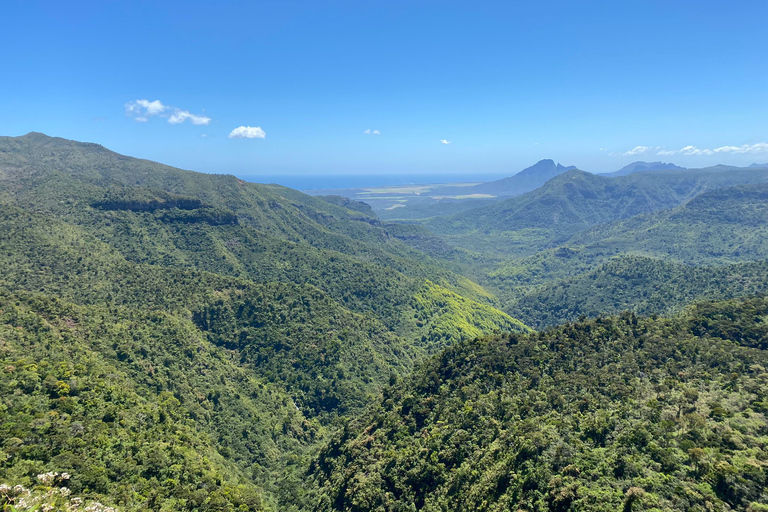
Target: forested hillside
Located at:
point(634, 283)
point(620, 413)
point(93, 186)
point(722, 225)
point(574, 201)
point(182, 341)
point(137, 407)
point(711, 247)
point(233, 324)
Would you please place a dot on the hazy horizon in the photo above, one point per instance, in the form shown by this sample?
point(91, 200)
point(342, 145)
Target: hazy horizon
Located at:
point(319, 181)
point(347, 88)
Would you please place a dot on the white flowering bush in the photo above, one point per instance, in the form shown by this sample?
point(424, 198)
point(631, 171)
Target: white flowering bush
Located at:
point(52, 495)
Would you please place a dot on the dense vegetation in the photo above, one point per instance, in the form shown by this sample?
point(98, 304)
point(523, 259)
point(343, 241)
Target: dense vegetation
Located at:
point(135, 406)
point(181, 341)
point(714, 246)
point(639, 284)
point(574, 201)
point(620, 413)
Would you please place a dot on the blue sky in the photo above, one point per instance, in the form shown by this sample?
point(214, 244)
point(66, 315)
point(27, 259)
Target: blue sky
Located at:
point(506, 83)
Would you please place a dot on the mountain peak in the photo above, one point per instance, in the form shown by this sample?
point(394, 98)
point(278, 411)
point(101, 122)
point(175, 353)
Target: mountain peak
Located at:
point(34, 140)
point(524, 181)
point(575, 174)
point(36, 135)
point(546, 165)
point(645, 166)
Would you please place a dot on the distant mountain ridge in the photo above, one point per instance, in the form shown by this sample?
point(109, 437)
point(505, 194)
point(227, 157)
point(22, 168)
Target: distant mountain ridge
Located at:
point(576, 200)
point(570, 201)
point(419, 203)
point(524, 181)
point(563, 199)
point(711, 247)
point(644, 166)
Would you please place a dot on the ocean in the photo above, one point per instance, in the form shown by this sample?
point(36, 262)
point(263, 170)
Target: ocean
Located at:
point(338, 181)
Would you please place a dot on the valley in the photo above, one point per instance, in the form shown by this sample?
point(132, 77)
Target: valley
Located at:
point(177, 340)
point(383, 256)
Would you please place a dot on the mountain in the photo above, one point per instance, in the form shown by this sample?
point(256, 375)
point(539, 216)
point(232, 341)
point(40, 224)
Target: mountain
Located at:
point(174, 340)
point(758, 165)
point(415, 202)
point(639, 284)
point(152, 214)
point(620, 413)
point(711, 247)
point(565, 205)
point(643, 166)
point(575, 198)
point(105, 193)
point(720, 226)
point(524, 181)
point(54, 174)
point(184, 341)
point(575, 201)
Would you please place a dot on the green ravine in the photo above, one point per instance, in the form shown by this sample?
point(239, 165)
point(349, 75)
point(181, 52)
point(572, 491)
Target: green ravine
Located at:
point(262, 318)
point(174, 340)
point(712, 247)
point(621, 413)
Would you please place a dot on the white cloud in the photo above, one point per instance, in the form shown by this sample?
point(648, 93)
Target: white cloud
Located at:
point(687, 151)
point(180, 116)
point(376, 132)
point(693, 150)
point(247, 132)
point(142, 110)
point(638, 150)
point(760, 147)
point(372, 132)
point(603, 149)
point(730, 149)
point(445, 141)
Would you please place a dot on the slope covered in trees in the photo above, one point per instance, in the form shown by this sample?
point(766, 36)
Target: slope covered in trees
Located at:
point(711, 247)
point(219, 223)
point(643, 285)
point(620, 413)
point(232, 324)
point(137, 407)
point(183, 341)
point(575, 201)
point(719, 226)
